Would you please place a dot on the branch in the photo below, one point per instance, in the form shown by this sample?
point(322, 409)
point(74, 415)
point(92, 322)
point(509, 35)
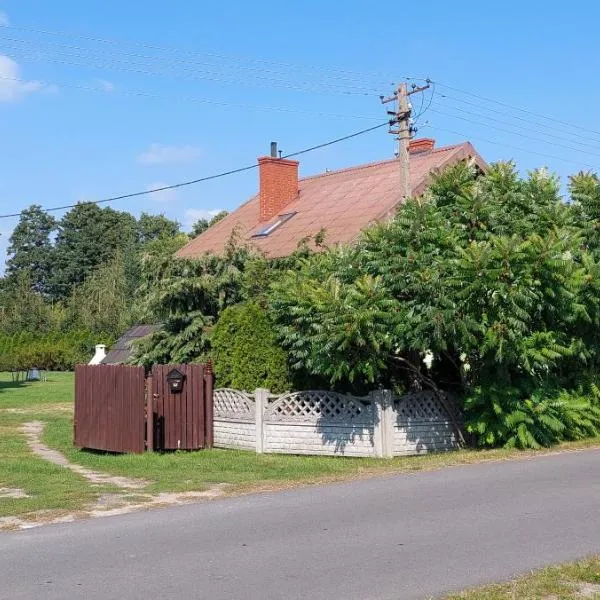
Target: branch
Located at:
point(429, 382)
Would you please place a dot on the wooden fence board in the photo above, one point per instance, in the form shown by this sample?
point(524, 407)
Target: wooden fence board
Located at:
point(109, 408)
point(111, 405)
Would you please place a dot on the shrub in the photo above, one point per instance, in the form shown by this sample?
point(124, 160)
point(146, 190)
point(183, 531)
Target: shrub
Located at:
point(499, 416)
point(59, 351)
point(245, 351)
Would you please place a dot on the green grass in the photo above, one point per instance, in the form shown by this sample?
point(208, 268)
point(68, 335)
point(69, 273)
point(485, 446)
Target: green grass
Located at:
point(50, 487)
point(565, 582)
point(186, 471)
point(56, 488)
point(58, 389)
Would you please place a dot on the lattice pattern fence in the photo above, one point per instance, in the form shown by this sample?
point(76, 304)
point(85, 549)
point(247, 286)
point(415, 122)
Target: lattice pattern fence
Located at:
point(229, 403)
point(324, 422)
point(419, 406)
point(317, 405)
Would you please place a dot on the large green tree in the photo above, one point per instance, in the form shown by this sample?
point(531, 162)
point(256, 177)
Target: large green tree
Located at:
point(585, 193)
point(102, 303)
point(155, 227)
point(202, 224)
point(30, 248)
point(480, 285)
point(23, 309)
point(186, 297)
point(88, 236)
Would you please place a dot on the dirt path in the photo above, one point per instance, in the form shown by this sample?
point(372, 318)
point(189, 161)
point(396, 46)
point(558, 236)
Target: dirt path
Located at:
point(33, 432)
point(44, 408)
point(131, 497)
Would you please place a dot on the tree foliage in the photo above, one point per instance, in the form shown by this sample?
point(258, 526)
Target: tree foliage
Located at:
point(487, 286)
point(102, 303)
point(23, 309)
point(30, 248)
point(87, 281)
point(156, 227)
point(245, 350)
point(88, 236)
point(486, 276)
point(186, 297)
point(202, 224)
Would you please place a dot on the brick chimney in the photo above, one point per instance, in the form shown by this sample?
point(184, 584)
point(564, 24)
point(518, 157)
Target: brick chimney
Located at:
point(421, 145)
point(278, 183)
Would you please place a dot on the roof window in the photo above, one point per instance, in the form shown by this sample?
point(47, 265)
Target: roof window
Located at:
point(271, 227)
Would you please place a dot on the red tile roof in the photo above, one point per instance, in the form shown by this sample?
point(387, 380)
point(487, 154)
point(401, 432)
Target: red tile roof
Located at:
point(341, 202)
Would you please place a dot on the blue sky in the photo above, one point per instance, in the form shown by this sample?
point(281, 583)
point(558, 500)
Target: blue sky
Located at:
point(181, 89)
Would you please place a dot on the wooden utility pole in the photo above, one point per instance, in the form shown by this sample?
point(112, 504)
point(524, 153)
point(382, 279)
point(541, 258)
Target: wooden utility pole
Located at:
point(402, 118)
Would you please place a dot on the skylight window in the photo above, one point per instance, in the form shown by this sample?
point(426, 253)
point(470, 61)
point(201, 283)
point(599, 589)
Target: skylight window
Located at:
point(271, 227)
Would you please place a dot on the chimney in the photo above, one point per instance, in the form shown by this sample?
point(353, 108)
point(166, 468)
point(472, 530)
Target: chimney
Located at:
point(99, 356)
point(278, 183)
point(421, 146)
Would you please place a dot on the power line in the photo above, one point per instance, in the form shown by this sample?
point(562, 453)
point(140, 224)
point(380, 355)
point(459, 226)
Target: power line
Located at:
point(127, 67)
point(193, 64)
point(522, 135)
point(207, 178)
point(342, 139)
point(188, 98)
point(431, 96)
point(342, 73)
point(512, 107)
point(151, 66)
point(505, 122)
point(520, 149)
point(516, 117)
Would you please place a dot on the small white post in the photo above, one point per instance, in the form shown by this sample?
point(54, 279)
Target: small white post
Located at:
point(389, 417)
point(378, 435)
point(383, 423)
point(261, 397)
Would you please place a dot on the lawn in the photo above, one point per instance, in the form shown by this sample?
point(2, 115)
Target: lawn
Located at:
point(57, 489)
point(565, 582)
point(48, 487)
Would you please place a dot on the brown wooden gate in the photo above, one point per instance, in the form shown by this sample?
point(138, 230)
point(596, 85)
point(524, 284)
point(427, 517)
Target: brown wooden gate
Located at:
point(109, 408)
point(182, 420)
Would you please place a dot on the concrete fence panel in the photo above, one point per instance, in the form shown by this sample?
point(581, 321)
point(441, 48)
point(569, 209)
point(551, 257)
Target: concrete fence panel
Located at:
point(329, 423)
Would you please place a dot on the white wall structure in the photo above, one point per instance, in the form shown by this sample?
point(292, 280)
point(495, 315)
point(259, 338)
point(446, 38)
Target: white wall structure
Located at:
point(328, 423)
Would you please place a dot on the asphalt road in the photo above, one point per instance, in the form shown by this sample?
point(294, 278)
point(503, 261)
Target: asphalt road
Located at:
point(400, 537)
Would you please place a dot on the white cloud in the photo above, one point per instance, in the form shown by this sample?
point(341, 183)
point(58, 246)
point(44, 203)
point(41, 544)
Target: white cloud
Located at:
point(191, 215)
point(164, 196)
point(3, 19)
point(49, 88)
point(159, 154)
point(12, 87)
point(106, 86)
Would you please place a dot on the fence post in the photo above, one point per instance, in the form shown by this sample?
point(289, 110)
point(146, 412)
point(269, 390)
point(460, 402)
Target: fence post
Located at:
point(149, 415)
point(377, 404)
point(261, 397)
point(383, 423)
point(389, 416)
point(209, 434)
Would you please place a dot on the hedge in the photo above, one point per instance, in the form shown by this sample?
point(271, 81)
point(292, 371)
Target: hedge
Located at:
point(53, 352)
point(245, 351)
